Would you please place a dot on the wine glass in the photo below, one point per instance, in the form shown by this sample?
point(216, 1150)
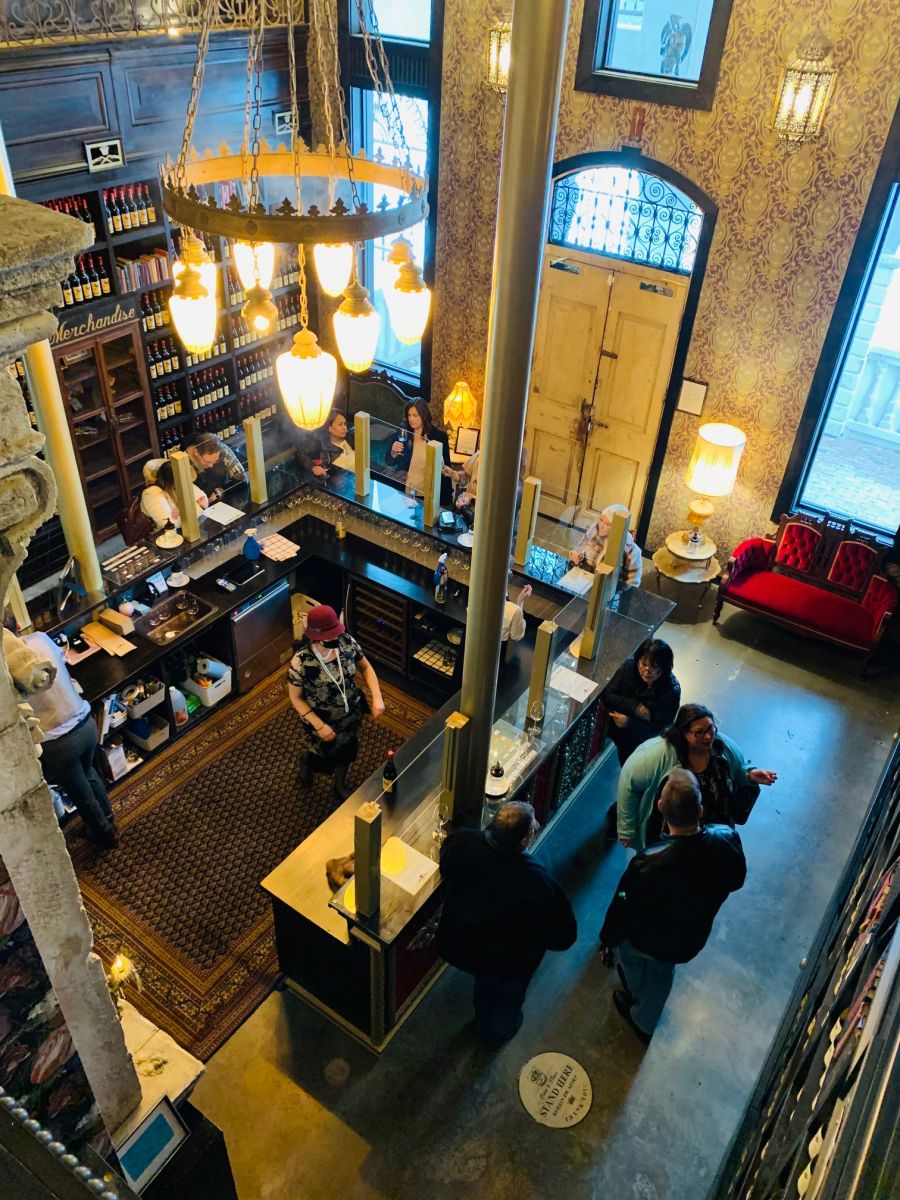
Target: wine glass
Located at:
point(442, 820)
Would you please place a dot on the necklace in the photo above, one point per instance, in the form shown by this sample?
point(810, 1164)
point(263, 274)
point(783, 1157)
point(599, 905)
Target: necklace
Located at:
point(338, 681)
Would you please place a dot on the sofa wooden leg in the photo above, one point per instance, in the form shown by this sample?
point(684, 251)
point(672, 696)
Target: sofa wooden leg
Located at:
point(717, 611)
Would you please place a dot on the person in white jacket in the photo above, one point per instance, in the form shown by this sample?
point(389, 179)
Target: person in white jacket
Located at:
point(158, 499)
point(591, 547)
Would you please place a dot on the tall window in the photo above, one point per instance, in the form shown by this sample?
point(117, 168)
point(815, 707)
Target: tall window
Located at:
point(406, 20)
point(853, 469)
point(371, 124)
point(648, 50)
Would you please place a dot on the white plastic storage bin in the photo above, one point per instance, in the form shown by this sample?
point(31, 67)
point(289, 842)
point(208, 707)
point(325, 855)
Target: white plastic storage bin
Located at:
point(208, 696)
point(144, 706)
point(159, 733)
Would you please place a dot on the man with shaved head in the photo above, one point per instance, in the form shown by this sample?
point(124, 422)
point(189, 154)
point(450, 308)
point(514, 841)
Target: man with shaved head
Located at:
point(664, 907)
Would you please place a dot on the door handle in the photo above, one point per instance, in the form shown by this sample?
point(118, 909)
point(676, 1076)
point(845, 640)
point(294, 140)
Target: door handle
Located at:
point(608, 354)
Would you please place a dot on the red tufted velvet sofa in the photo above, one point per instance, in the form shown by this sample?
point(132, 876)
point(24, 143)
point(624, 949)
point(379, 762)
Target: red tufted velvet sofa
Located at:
point(818, 576)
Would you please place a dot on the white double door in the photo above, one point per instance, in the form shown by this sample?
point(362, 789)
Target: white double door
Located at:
point(606, 336)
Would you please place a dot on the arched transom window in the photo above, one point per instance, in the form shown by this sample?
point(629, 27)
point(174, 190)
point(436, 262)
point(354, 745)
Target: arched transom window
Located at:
point(626, 213)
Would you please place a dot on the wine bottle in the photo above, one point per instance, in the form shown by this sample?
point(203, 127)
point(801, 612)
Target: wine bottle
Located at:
point(77, 289)
point(104, 278)
point(113, 216)
point(124, 210)
point(160, 312)
point(149, 205)
point(68, 297)
point(389, 775)
point(141, 205)
point(94, 278)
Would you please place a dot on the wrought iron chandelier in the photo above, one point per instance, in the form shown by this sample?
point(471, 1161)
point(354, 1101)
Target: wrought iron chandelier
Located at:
point(193, 189)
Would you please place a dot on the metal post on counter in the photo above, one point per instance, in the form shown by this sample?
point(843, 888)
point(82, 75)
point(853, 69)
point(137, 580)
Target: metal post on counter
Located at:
point(184, 495)
point(545, 642)
point(529, 136)
point(456, 728)
point(528, 515)
point(615, 545)
point(362, 453)
point(434, 463)
point(602, 591)
point(367, 858)
point(256, 460)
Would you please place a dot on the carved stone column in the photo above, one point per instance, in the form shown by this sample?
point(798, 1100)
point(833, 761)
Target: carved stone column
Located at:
point(36, 250)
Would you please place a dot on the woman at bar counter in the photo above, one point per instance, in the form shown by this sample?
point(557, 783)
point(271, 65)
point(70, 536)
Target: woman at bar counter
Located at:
point(642, 697)
point(216, 465)
point(322, 688)
point(158, 499)
point(408, 452)
point(591, 547)
point(327, 447)
point(728, 784)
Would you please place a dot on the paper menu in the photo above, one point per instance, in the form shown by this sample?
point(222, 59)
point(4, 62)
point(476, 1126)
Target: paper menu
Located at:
point(577, 580)
point(223, 513)
point(570, 683)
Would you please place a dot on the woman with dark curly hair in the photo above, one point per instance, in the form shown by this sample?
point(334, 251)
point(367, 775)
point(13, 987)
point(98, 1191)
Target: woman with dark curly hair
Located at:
point(407, 452)
point(727, 781)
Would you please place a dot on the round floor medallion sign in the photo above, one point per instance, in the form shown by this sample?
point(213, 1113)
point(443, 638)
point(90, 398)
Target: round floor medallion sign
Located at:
point(555, 1089)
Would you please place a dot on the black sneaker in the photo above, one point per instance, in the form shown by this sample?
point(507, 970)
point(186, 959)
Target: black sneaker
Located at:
point(624, 1003)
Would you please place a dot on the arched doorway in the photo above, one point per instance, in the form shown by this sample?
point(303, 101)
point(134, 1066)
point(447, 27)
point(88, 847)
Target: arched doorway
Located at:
point(626, 251)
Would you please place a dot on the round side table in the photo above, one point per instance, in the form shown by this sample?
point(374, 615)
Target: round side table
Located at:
point(685, 569)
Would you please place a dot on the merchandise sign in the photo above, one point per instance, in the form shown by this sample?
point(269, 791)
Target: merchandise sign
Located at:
point(100, 317)
point(555, 1090)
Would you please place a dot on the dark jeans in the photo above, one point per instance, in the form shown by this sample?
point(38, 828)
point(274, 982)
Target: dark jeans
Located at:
point(68, 762)
point(498, 1005)
point(649, 980)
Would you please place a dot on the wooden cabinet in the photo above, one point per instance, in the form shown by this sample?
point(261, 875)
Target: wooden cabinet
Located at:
point(104, 385)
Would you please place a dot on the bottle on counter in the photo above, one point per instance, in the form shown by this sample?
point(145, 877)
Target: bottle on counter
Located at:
point(251, 549)
point(179, 706)
point(340, 529)
point(496, 788)
point(389, 775)
point(441, 576)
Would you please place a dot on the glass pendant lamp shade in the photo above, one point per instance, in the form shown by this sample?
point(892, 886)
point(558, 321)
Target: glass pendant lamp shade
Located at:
point(307, 376)
point(193, 311)
point(334, 264)
point(399, 254)
point(259, 312)
point(255, 262)
point(409, 303)
point(356, 328)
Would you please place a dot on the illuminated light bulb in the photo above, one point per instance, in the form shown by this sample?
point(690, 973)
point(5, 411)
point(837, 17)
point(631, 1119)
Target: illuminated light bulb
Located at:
point(307, 377)
point(259, 312)
point(356, 328)
point(334, 262)
point(193, 311)
point(193, 253)
point(400, 253)
point(409, 303)
point(255, 262)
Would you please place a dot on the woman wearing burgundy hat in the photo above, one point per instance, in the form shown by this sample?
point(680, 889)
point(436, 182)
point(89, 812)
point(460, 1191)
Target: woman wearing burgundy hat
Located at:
point(323, 689)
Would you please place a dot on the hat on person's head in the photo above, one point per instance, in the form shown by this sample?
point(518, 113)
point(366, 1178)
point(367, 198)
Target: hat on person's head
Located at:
point(322, 624)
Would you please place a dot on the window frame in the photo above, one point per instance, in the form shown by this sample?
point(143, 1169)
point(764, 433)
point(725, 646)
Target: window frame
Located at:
point(840, 332)
point(649, 88)
point(415, 71)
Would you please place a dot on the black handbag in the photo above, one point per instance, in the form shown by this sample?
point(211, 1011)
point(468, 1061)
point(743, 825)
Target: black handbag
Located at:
point(745, 796)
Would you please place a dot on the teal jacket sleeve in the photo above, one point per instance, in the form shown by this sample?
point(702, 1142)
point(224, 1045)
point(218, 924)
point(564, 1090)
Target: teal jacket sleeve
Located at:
point(738, 762)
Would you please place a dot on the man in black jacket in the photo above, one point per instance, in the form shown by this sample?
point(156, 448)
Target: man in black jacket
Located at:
point(502, 912)
point(663, 909)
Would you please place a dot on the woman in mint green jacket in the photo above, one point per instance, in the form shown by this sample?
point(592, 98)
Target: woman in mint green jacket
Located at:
point(693, 742)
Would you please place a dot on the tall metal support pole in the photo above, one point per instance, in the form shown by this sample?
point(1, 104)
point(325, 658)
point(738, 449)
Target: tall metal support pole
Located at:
point(58, 449)
point(529, 135)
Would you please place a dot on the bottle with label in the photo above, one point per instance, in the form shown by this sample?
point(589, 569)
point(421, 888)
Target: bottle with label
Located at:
point(340, 529)
point(179, 706)
point(148, 203)
point(389, 775)
point(496, 788)
point(251, 549)
point(94, 278)
point(440, 580)
point(104, 277)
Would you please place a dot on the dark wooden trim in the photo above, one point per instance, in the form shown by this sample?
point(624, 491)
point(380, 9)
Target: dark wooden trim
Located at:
point(633, 158)
point(650, 89)
point(858, 272)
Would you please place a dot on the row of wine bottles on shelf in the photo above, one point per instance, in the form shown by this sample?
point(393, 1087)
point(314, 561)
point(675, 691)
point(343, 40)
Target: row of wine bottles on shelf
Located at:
point(77, 207)
point(129, 207)
point(89, 281)
point(154, 311)
point(263, 403)
point(221, 423)
point(17, 370)
point(253, 369)
point(218, 347)
point(168, 403)
point(162, 358)
point(286, 273)
point(206, 387)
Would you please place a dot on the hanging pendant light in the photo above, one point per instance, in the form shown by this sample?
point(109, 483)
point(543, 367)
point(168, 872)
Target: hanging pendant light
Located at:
point(400, 254)
point(409, 303)
point(255, 262)
point(193, 302)
point(334, 264)
point(258, 311)
point(307, 376)
point(356, 328)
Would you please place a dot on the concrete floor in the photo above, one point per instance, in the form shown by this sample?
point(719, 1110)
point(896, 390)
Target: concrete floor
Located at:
point(310, 1115)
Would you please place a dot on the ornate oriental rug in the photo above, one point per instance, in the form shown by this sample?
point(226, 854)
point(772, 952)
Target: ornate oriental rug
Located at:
point(201, 826)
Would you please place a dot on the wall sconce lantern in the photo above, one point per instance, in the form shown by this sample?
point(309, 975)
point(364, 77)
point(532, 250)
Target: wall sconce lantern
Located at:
point(499, 37)
point(805, 88)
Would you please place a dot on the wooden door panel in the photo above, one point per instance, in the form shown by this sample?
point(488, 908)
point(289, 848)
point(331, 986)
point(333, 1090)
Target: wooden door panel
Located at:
point(555, 461)
point(611, 479)
point(625, 392)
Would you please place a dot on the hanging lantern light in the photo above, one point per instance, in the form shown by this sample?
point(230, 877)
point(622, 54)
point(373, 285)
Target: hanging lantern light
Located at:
point(499, 46)
point(400, 253)
point(356, 328)
point(255, 262)
point(334, 264)
point(307, 376)
point(806, 85)
point(193, 302)
point(409, 303)
point(259, 312)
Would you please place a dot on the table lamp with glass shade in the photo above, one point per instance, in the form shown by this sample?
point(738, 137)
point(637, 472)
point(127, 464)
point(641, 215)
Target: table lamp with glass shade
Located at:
point(460, 408)
point(710, 475)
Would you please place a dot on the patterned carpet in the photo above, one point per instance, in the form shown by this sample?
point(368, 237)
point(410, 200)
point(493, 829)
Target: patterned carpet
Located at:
point(201, 826)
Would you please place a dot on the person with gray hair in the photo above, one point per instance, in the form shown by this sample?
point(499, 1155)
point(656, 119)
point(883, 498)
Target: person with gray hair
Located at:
point(502, 912)
point(663, 909)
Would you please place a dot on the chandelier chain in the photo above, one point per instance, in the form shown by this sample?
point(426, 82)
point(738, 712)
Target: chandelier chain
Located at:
point(295, 147)
point(248, 90)
point(380, 71)
point(196, 84)
point(335, 66)
point(253, 199)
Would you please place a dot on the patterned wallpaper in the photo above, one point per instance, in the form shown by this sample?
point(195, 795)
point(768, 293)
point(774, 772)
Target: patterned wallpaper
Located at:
point(784, 234)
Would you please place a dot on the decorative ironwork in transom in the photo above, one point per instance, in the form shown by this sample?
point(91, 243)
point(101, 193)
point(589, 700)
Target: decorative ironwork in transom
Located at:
point(625, 213)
